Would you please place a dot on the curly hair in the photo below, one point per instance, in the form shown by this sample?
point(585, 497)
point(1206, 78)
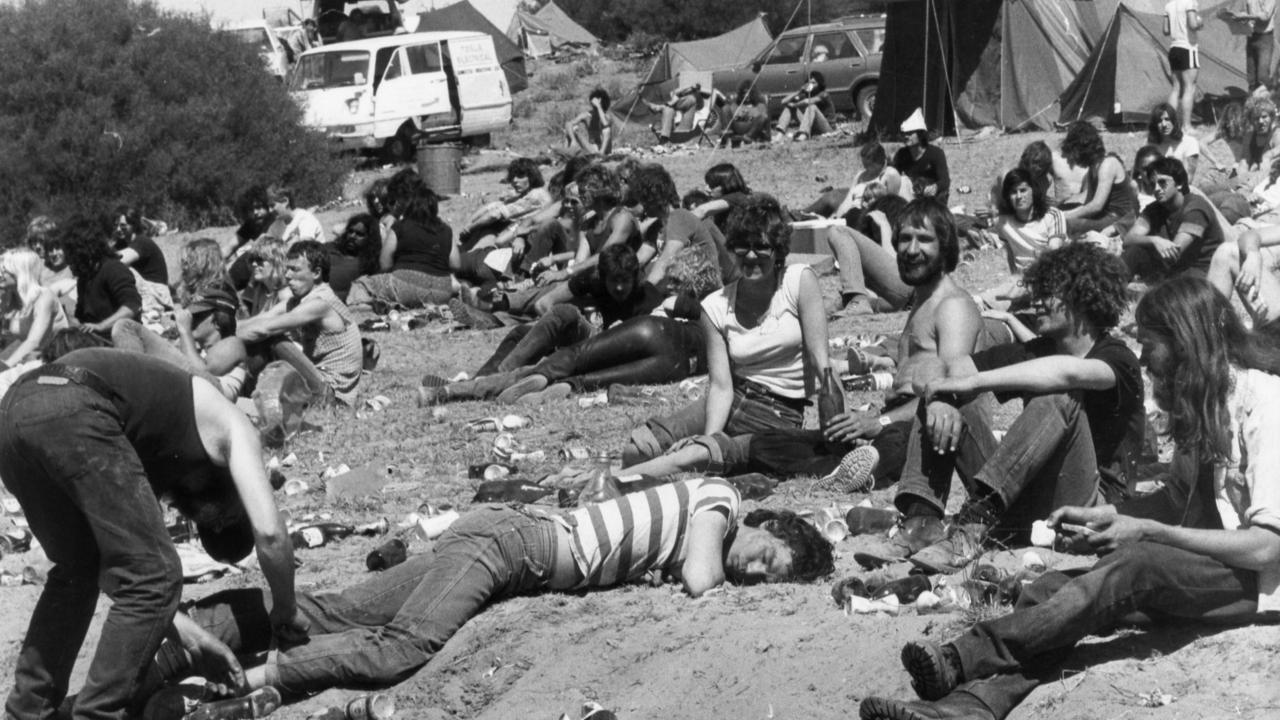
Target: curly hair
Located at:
point(84, 246)
point(598, 184)
point(929, 210)
point(526, 168)
point(40, 230)
point(1083, 145)
point(761, 217)
point(605, 100)
point(1014, 178)
point(1086, 278)
point(271, 251)
point(1205, 338)
point(747, 94)
point(202, 269)
point(366, 249)
point(811, 554)
point(653, 189)
point(1255, 109)
point(1234, 121)
point(619, 262)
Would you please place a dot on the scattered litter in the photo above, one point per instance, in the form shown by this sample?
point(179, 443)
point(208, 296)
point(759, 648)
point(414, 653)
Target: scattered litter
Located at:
point(295, 487)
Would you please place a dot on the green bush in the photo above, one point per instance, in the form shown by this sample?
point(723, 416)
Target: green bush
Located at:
point(110, 101)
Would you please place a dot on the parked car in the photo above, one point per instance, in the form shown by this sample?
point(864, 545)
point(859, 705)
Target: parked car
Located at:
point(852, 67)
point(381, 17)
point(258, 35)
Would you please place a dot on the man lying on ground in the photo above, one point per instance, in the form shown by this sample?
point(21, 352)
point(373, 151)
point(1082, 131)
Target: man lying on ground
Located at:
point(384, 629)
point(1207, 545)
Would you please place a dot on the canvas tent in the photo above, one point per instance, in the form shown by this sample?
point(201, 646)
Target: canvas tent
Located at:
point(722, 52)
point(464, 16)
point(1008, 63)
point(543, 32)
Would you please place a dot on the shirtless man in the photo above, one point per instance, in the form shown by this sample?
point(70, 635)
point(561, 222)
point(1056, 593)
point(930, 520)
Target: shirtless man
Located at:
point(1246, 265)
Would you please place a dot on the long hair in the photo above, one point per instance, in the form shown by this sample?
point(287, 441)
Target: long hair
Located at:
point(1205, 338)
point(1153, 125)
point(1014, 178)
point(1083, 145)
point(366, 250)
point(84, 246)
point(528, 169)
point(272, 253)
point(726, 178)
point(25, 267)
point(202, 269)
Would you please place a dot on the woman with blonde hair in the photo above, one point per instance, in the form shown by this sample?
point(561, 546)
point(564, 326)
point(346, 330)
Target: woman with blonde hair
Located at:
point(203, 269)
point(266, 257)
point(32, 312)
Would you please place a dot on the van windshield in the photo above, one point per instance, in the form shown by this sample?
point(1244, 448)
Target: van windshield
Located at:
point(331, 70)
point(254, 37)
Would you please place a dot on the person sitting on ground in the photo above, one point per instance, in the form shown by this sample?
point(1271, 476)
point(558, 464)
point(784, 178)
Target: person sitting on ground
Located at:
point(875, 168)
point(267, 284)
point(130, 235)
point(377, 202)
point(1027, 227)
point(207, 344)
point(686, 245)
point(761, 332)
point(1076, 441)
point(530, 195)
point(32, 312)
point(1177, 233)
point(727, 190)
point(1166, 132)
point(1261, 141)
point(408, 613)
point(1249, 267)
point(643, 342)
point(420, 256)
point(256, 219)
point(679, 113)
point(858, 447)
point(1205, 546)
point(867, 262)
point(42, 237)
point(312, 335)
point(749, 122)
point(922, 163)
point(807, 107)
point(202, 270)
point(91, 443)
point(1264, 201)
point(106, 291)
point(355, 253)
point(300, 224)
point(591, 131)
point(1110, 205)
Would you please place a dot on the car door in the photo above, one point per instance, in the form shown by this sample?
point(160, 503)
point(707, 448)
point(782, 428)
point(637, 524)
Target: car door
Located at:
point(782, 69)
point(484, 99)
point(407, 95)
point(843, 64)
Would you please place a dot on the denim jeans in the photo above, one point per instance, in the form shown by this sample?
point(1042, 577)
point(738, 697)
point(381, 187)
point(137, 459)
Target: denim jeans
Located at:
point(639, 351)
point(64, 456)
point(1257, 59)
point(1045, 461)
point(384, 629)
point(1006, 658)
point(866, 265)
point(749, 413)
point(526, 344)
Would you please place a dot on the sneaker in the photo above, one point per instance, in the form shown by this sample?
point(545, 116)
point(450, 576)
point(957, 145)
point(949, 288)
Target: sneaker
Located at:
point(933, 674)
point(472, 317)
point(529, 384)
point(854, 473)
point(553, 392)
point(957, 706)
point(952, 553)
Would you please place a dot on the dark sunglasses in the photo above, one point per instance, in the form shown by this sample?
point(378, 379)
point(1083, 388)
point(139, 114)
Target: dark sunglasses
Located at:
point(761, 249)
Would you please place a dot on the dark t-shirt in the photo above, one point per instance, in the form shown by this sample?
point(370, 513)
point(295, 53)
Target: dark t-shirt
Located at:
point(150, 263)
point(108, 290)
point(424, 248)
point(682, 225)
point(157, 411)
point(588, 289)
point(1195, 217)
point(930, 167)
point(1117, 418)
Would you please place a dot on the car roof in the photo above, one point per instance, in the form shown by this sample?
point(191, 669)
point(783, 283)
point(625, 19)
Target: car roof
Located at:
point(847, 23)
point(377, 43)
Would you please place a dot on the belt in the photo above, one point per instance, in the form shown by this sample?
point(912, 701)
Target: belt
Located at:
point(56, 374)
point(756, 391)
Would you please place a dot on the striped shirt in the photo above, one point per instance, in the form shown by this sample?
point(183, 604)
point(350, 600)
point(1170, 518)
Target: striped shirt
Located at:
point(337, 354)
point(624, 539)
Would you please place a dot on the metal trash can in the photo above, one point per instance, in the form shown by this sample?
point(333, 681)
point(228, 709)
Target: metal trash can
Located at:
point(441, 167)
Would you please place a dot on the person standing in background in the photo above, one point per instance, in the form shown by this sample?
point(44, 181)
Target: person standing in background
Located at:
point(1261, 43)
point(1181, 22)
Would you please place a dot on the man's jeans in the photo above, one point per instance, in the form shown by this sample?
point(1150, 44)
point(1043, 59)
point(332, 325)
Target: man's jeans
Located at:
point(526, 344)
point(1045, 461)
point(384, 629)
point(65, 458)
point(1257, 59)
point(866, 265)
point(1006, 658)
point(642, 350)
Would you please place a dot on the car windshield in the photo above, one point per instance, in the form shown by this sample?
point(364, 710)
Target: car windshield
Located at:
point(254, 37)
point(330, 70)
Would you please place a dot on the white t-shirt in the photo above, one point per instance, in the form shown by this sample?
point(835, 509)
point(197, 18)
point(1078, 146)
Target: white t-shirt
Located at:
point(771, 353)
point(1179, 34)
point(1187, 148)
point(304, 226)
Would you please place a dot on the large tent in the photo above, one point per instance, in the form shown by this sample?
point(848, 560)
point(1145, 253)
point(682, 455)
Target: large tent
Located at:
point(1008, 63)
point(464, 16)
point(544, 32)
point(722, 52)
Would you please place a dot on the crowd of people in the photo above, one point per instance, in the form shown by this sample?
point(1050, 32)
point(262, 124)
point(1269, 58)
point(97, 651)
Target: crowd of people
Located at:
point(604, 275)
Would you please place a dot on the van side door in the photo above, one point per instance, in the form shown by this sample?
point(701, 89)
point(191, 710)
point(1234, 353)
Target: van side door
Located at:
point(413, 87)
point(483, 96)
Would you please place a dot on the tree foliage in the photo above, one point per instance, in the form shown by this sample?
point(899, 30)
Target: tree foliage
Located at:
point(692, 19)
point(109, 101)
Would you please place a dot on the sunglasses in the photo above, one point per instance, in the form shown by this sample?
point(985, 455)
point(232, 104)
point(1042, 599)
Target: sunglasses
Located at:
point(1163, 183)
point(256, 260)
point(761, 249)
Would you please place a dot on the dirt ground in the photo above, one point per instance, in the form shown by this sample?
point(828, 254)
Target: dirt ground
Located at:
point(756, 653)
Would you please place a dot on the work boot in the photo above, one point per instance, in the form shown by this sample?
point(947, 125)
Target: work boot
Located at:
point(934, 672)
point(918, 532)
point(957, 706)
point(951, 554)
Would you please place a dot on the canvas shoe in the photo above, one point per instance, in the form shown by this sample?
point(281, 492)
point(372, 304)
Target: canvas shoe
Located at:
point(854, 473)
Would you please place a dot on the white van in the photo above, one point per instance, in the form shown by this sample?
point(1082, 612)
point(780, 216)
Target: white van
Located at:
point(386, 93)
point(261, 37)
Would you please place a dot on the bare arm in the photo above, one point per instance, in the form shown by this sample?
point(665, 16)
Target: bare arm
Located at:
point(711, 208)
point(280, 319)
point(720, 385)
point(387, 256)
point(703, 567)
point(45, 307)
point(1052, 374)
point(1108, 174)
point(813, 322)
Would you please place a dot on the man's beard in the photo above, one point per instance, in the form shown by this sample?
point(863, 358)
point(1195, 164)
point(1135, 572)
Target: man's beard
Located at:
point(922, 272)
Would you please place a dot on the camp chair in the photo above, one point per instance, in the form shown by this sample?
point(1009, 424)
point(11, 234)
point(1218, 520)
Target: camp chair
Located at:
point(705, 120)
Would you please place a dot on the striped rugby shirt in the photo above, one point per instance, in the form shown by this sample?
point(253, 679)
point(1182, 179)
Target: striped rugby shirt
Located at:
point(624, 539)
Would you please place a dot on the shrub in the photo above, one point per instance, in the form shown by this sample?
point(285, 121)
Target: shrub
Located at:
point(110, 101)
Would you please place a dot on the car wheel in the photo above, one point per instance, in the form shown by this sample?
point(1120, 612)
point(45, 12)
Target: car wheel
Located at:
point(401, 147)
point(865, 101)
